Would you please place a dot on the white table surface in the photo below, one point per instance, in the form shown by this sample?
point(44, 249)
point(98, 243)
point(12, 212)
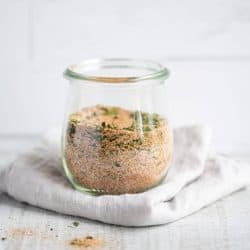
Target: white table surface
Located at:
point(223, 225)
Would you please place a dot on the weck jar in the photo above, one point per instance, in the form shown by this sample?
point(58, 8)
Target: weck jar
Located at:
point(116, 136)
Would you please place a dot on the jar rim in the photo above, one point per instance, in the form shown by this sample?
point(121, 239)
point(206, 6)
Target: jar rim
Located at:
point(155, 70)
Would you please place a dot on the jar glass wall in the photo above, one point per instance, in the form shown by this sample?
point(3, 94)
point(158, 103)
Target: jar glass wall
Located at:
point(116, 137)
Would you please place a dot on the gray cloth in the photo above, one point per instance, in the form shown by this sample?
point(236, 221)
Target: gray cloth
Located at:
point(195, 180)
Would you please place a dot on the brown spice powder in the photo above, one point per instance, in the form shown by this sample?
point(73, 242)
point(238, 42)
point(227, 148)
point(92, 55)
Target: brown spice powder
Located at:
point(87, 242)
point(114, 150)
point(21, 232)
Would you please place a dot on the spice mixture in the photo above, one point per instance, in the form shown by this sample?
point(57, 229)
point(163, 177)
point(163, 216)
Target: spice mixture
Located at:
point(86, 242)
point(113, 150)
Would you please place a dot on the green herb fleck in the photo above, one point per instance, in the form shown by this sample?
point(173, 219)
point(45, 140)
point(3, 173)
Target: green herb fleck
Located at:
point(74, 242)
point(110, 111)
point(146, 120)
point(131, 128)
point(105, 110)
point(76, 223)
point(3, 238)
point(71, 129)
point(117, 164)
point(103, 137)
point(138, 140)
point(147, 129)
point(113, 152)
point(113, 111)
point(112, 138)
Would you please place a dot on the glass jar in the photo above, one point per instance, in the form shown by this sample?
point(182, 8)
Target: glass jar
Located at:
point(116, 137)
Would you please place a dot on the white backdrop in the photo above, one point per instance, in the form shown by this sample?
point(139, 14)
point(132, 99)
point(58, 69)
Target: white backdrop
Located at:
point(205, 44)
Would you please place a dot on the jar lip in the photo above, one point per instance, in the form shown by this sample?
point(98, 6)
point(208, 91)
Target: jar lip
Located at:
point(157, 71)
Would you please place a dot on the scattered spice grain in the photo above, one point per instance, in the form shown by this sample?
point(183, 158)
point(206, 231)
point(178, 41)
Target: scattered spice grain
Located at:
point(76, 223)
point(88, 242)
point(20, 232)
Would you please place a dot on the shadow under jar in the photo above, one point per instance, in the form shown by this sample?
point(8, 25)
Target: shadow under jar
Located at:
point(116, 137)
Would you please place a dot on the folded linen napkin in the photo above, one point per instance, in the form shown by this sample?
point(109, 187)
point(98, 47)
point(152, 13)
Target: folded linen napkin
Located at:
point(195, 179)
